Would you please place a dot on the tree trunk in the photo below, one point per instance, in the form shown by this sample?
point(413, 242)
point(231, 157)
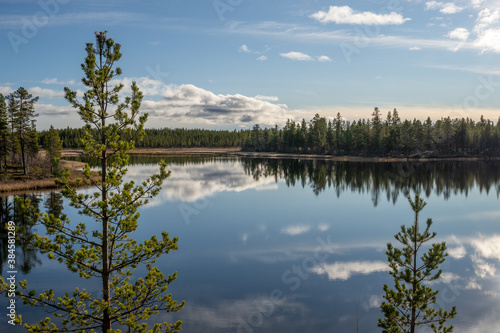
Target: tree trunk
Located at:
point(414, 277)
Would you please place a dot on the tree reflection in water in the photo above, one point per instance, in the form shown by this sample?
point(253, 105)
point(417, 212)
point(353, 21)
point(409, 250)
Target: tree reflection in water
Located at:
point(381, 178)
point(26, 259)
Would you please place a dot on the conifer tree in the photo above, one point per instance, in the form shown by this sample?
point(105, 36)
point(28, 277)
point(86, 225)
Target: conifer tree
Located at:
point(106, 254)
point(5, 133)
point(22, 116)
point(53, 145)
point(410, 304)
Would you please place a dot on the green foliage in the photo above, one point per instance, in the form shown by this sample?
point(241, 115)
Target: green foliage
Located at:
point(107, 254)
point(53, 146)
point(374, 137)
point(5, 133)
point(22, 117)
point(409, 304)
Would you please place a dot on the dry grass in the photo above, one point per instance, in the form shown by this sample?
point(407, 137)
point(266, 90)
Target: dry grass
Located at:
point(47, 182)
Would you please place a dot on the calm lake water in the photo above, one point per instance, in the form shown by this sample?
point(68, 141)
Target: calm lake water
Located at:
point(299, 246)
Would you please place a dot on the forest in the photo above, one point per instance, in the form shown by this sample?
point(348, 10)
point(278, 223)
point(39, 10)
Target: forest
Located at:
point(375, 136)
point(391, 137)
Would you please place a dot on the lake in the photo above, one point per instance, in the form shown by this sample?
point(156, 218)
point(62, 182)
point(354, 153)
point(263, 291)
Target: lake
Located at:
point(299, 245)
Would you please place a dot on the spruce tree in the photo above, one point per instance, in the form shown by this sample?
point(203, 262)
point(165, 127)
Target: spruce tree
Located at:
point(53, 146)
point(410, 304)
point(106, 254)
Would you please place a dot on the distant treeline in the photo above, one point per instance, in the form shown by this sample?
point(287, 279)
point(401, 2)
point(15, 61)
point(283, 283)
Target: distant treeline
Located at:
point(389, 137)
point(166, 138)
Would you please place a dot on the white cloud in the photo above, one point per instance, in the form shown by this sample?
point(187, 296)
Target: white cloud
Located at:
point(476, 3)
point(473, 285)
point(295, 230)
point(262, 58)
point(47, 93)
point(57, 81)
point(6, 90)
point(323, 227)
point(488, 33)
point(457, 252)
point(267, 98)
point(324, 58)
point(448, 277)
point(487, 247)
point(197, 182)
point(52, 110)
point(344, 270)
point(299, 56)
point(346, 15)
point(482, 268)
point(489, 40)
point(461, 34)
point(296, 32)
point(445, 8)
point(485, 19)
point(415, 48)
point(244, 48)
point(186, 102)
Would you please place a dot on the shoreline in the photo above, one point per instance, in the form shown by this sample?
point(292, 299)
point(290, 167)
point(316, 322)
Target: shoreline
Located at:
point(236, 151)
point(10, 187)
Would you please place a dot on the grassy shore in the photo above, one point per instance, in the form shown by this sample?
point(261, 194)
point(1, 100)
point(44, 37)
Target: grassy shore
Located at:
point(13, 186)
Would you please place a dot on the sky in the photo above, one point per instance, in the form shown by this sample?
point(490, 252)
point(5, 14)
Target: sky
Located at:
point(229, 64)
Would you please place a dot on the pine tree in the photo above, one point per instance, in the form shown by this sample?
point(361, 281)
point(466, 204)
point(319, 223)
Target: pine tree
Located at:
point(53, 145)
point(410, 304)
point(107, 254)
point(22, 115)
point(5, 133)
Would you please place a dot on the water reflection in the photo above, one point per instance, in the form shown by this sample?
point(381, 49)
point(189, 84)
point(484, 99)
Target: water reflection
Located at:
point(379, 179)
point(10, 210)
point(314, 230)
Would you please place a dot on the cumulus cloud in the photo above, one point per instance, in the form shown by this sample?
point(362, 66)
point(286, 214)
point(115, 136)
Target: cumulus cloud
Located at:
point(5, 90)
point(487, 30)
point(324, 58)
point(457, 252)
point(344, 270)
point(295, 230)
point(476, 3)
point(489, 40)
point(188, 101)
point(482, 268)
point(414, 48)
point(267, 98)
point(53, 110)
point(244, 48)
point(299, 56)
point(445, 8)
point(346, 15)
point(461, 34)
point(262, 58)
point(183, 103)
point(47, 93)
point(487, 247)
point(485, 19)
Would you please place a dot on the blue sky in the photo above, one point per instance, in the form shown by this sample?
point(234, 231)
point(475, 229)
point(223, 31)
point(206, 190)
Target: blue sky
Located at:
point(233, 63)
